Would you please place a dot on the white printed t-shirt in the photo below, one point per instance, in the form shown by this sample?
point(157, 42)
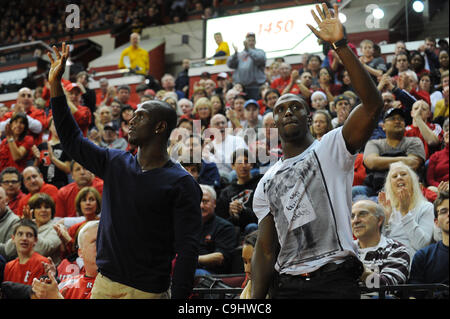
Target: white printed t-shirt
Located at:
point(309, 197)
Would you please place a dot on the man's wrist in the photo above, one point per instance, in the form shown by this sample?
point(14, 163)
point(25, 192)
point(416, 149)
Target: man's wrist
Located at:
point(339, 44)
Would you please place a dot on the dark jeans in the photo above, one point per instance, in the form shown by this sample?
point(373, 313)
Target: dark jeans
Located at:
point(339, 284)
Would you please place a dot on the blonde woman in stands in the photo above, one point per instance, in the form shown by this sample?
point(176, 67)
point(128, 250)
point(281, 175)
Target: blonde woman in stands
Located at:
point(409, 216)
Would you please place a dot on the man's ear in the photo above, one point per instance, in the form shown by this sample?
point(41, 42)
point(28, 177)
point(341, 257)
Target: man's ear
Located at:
point(160, 127)
point(382, 127)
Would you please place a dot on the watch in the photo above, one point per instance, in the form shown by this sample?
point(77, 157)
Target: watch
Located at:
point(340, 43)
point(10, 140)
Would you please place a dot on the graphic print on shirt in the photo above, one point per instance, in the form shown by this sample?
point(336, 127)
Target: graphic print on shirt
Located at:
point(243, 197)
point(301, 206)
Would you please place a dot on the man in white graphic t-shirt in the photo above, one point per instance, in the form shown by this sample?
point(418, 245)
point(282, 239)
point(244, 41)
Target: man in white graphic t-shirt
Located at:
point(305, 247)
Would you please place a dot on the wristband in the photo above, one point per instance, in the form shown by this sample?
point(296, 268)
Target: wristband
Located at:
point(340, 43)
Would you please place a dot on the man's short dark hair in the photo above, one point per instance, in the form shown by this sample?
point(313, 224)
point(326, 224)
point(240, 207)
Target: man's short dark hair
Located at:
point(10, 170)
point(240, 151)
point(438, 201)
point(27, 223)
point(271, 91)
point(124, 87)
point(164, 112)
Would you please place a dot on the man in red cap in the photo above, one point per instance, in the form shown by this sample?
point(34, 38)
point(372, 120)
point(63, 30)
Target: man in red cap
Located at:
point(81, 114)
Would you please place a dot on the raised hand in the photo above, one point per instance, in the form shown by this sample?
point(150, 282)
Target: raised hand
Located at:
point(330, 28)
point(58, 65)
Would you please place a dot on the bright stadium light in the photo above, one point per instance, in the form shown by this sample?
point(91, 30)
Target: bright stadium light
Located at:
point(378, 13)
point(342, 17)
point(418, 6)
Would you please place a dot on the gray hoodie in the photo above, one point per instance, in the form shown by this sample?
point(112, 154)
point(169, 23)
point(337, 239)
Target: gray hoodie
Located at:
point(7, 224)
point(249, 65)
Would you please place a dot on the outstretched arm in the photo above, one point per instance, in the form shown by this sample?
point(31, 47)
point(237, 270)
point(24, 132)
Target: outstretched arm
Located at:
point(364, 118)
point(81, 150)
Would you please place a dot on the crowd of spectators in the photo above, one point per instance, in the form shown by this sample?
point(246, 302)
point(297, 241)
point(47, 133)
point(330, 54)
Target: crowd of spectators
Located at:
point(30, 20)
point(226, 139)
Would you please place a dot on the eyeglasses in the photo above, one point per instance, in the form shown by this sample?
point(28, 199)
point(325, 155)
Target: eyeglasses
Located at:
point(443, 211)
point(9, 182)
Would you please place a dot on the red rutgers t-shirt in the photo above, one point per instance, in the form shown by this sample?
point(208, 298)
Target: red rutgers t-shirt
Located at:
point(78, 287)
point(25, 273)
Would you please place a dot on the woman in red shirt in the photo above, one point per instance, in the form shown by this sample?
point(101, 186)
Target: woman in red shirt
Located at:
point(15, 149)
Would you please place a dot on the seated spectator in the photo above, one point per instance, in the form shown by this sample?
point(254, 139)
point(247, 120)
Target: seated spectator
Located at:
point(430, 264)
point(123, 96)
point(409, 216)
point(312, 65)
point(342, 107)
point(217, 105)
point(379, 154)
point(208, 173)
point(78, 287)
point(270, 98)
point(409, 82)
point(253, 121)
point(305, 85)
point(41, 209)
point(51, 159)
point(202, 111)
point(321, 124)
point(441, 109)
point(429, 133)
point(438, 164)
point(88, 204)
point(192, 168)
point(186, 107)
point(319, 101)
point(67, 194)
point(168, 84)
point(29, 264)
point(236, 114)
point(110, 138)
point(11, 181)
point(37, 119)
point(375, 66)
point(235, 201)
point(171, 98)
point(418, 64)
point(34, 183)
point(326, 84)
point(223, 144)
point(81, 114)
point(126, 113)
point(386, 261)
point(218, 237)
point(8, 221)
point(15, 148)
point(438, 95)
point(247, 253)
point(286, 83)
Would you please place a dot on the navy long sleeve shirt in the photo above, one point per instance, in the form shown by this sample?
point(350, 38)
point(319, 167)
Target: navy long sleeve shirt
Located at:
point(147, 217)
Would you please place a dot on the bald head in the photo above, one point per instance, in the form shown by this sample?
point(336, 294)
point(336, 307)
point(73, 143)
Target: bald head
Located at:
point(134, 39)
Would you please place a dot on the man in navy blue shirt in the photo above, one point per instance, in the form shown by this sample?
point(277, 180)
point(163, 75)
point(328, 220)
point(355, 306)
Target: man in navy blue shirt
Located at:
point(150, 205)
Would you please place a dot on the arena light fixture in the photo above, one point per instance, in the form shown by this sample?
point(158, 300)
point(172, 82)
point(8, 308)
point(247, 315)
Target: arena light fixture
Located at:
point(342, 17)
point(418, 6)
point(378, 13)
